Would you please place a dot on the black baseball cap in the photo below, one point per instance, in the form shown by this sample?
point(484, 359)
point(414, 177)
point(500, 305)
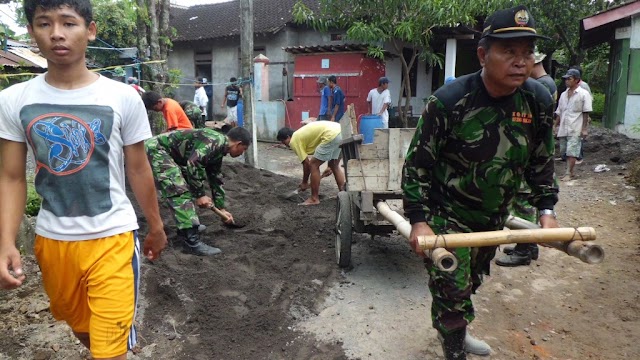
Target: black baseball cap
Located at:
point(572, 73)
point(511, 23)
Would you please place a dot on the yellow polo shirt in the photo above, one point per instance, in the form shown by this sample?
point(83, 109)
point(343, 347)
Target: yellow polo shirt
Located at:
point(305, 140)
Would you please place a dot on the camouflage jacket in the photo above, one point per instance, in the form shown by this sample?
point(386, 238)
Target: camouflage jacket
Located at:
point(199, 153)
point(193, 112)
point(470, 153)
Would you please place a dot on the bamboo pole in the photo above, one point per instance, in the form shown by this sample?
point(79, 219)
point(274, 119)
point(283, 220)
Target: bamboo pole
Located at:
point(501, 237)
point(586, 251)
point(443, 259)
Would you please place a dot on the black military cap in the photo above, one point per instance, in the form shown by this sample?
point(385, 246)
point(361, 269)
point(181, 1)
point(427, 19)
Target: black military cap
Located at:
point(511, 23)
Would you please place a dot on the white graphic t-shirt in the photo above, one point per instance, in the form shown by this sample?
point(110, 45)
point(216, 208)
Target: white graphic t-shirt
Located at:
point(77, 138)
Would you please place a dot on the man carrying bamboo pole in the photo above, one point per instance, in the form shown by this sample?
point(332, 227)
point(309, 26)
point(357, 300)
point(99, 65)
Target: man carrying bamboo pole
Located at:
point(478, 137)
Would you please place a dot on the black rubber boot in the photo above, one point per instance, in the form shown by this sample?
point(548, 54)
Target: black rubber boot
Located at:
point(453, 345)
point(193, 245)
point(532, 248)
point(516, 258)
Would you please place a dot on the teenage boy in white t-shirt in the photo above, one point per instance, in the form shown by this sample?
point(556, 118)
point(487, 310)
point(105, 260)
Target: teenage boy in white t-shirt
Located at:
point(380, 99)
point(83, 129)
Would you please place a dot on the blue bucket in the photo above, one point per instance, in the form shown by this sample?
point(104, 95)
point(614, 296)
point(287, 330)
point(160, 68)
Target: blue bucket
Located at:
point(367, 124)
point(240, 108)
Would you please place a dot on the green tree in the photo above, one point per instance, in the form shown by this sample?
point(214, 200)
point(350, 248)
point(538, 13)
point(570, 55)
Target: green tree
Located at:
point(116, 22)
point(396, 23)
point(560, 20)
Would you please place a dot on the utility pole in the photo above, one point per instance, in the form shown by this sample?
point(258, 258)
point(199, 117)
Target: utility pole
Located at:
point(246, 55)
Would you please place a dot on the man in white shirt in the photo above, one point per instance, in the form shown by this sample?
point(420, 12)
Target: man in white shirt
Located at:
point(380, 99)
point(572, 119)
point(200, 98)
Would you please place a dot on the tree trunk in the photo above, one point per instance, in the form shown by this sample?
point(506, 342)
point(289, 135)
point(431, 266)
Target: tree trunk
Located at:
point(153, 24)
point(246, 51)
point(143, 33)
point(164, 38)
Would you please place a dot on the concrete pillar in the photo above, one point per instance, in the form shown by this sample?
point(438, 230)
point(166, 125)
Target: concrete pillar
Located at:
point(450, 58)
point(261, 78)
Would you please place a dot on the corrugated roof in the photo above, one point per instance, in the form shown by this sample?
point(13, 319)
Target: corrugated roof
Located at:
point(600, 28)
point(325, 48)
point(20, 56)
point(213, 21)
point(36, 59)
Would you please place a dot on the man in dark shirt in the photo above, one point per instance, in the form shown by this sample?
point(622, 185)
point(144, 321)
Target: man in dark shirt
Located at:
point(337, 105)
point(476, 141)
point(232, 94)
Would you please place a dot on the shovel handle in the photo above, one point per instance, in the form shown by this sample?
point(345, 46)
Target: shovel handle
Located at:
point(223, 216)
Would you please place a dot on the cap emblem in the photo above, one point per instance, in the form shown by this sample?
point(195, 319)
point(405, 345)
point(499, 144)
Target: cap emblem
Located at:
point(522, 17)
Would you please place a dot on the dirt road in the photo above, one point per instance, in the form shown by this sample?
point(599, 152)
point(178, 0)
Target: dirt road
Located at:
point(276, 293)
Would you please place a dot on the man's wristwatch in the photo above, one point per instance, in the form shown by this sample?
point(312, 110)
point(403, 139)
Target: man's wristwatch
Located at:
point(549, 212)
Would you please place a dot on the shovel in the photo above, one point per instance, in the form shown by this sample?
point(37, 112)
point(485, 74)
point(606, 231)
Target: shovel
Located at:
point(291, 194)
point(225, 219)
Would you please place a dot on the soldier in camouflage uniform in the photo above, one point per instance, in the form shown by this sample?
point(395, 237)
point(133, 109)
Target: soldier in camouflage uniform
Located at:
point(478, 137)
point(193, 113)
point(182, 161)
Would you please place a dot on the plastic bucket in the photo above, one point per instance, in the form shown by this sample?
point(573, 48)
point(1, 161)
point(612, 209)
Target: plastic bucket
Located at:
point(240, 108)
point(367, 124)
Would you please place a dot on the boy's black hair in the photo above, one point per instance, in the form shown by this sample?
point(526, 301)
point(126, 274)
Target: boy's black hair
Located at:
point(233, 80)
point(240, 134)
point(332, 79)
point(150, 98)
point(284, 133)
point(82, 7)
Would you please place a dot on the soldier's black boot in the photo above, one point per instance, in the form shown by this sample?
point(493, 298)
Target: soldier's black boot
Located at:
point(516, 258)
point(533, 248)
point(453, 345)
point(193, 245)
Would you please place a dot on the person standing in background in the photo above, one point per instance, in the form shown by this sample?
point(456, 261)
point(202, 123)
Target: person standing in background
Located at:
point(572, 119)
point(232, 95)
point(133, 82)
point(380, 99)
point(325, 99)
point(337, 102)
point(201, 100)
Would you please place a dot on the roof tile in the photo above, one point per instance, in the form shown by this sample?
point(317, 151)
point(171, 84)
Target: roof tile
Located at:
point(213, 21)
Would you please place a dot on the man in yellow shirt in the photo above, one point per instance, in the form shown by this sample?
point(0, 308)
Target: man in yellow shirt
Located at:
point(314, 144)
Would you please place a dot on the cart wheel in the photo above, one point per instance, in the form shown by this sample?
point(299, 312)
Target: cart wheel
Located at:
point(344, 229)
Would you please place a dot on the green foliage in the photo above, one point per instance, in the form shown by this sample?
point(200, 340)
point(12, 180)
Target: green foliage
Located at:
point(598, 106)
point(33, 200)
point(394, 23)
point(596, 66)
point(116, 22)
point(173, 79)
point(364, 21)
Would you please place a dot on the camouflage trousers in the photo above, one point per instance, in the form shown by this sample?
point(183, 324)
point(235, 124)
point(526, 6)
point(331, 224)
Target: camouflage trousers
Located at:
point(172, 186)
point(451, 306)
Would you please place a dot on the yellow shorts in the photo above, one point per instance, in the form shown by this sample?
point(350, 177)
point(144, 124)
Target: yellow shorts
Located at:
point(93, 286)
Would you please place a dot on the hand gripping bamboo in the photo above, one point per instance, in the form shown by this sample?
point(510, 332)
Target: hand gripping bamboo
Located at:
point(586, 251)
point(443, 259)
point(560, 238)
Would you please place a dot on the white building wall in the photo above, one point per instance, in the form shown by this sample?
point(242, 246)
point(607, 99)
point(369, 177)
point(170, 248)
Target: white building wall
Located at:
point(632, 106)
point(631, 117)
point(635, 32)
